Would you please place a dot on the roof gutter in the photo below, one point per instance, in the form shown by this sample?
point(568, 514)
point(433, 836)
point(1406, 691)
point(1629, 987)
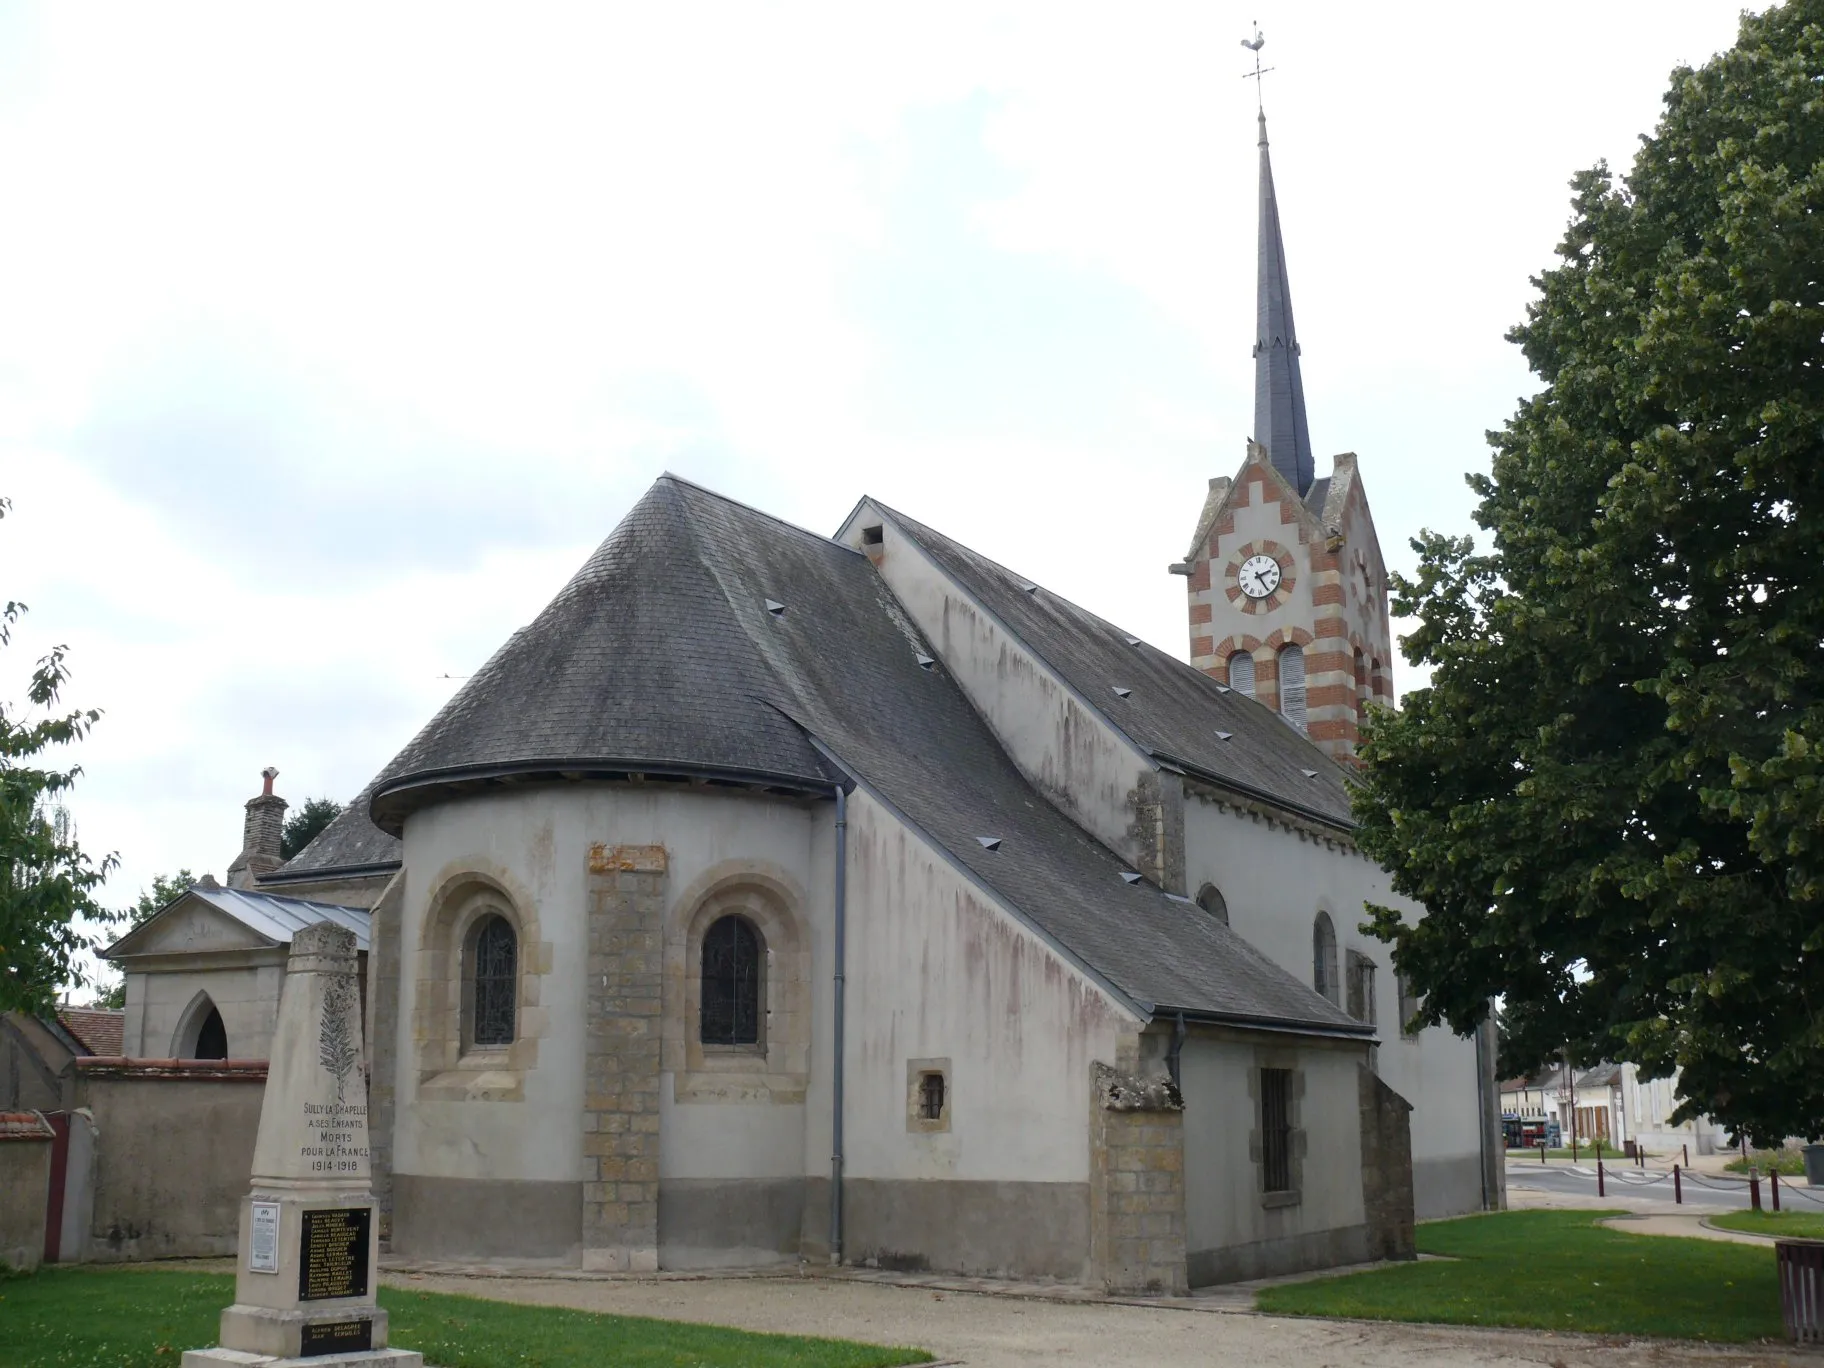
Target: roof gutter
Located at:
point(1210, 777)
point(1363, 1033)
point(597, 768)
point(324, 873)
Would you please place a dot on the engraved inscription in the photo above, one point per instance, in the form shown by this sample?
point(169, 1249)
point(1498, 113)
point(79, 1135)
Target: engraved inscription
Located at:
point(336, 1137)
point(335, 1337)
point(263, 1238)
point(332, 1253)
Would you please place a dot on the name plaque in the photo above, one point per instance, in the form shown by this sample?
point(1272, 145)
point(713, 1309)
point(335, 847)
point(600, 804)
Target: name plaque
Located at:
point(263, 1238)
point(335, 1337)
point(332, 1253)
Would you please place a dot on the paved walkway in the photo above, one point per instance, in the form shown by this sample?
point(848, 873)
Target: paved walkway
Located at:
point(1005, 1331)
point(1694, 1227)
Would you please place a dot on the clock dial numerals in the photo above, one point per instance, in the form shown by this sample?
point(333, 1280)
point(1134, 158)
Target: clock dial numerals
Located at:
point(1259, 576)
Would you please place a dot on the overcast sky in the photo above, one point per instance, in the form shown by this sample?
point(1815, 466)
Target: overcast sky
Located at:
point(333, 338)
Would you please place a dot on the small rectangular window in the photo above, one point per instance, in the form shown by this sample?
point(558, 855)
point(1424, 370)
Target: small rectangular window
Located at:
point(1276, 1129)
point(873, 536)
point(931, 1097)
point(928, 1101)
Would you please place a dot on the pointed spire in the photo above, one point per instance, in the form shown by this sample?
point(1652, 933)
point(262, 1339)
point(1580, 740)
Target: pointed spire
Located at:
point(1279, 390)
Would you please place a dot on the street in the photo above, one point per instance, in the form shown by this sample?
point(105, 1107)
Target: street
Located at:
point(1725, 1193)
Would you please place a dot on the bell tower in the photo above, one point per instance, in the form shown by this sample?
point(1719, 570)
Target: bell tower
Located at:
point(1287, 589)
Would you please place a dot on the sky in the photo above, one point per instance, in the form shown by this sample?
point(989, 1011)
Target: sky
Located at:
point(334, 337)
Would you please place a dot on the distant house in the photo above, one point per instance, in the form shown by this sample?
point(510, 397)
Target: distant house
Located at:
point(1611, 1102)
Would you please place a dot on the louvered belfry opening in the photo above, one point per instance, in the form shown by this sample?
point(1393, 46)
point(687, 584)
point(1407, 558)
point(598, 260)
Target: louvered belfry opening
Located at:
point(1292, 684)
point(1241, 673)
point(730, 1008)
point(496, 982)
point(1276, 1129)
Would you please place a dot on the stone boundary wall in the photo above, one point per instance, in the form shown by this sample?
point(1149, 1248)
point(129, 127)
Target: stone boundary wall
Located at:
point(26, 1141)
point(1387, 1195)
point(621, 1049)
point(173, 1154)
point(1137, 1225)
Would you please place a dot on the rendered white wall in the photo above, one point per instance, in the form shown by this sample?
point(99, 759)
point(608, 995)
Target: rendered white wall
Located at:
point(1222, 1183)
point(936, 970)
point(1274, 882)
point(536, 842)
point(1066, 751)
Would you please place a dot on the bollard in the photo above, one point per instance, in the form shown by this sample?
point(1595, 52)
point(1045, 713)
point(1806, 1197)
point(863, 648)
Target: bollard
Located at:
point(1754, 1189)
point(1687, 1150)
point(1542, 1151)
point(1678, 1185)
point(1773, 1182)
point(1601, 1190)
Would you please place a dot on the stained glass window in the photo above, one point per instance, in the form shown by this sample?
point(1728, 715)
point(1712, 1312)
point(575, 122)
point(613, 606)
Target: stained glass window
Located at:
point(496, 982)
point(731, 983)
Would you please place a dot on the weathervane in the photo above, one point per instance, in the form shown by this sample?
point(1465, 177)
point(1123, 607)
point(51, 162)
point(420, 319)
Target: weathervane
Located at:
point(1254, 45)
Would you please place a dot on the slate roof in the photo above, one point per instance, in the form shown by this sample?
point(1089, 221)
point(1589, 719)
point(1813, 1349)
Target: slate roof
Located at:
point(276, 918)
point(663, 656)
point(351, 844)
point(100, 1030)
point(1279, 389)
point(1174, 712)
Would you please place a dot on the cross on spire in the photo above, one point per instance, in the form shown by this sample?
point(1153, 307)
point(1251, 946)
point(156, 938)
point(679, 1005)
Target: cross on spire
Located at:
point(1254, 45)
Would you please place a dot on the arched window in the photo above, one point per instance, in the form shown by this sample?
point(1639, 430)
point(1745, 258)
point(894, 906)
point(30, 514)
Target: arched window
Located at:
point(1323, 957)
point(730, 1007)
point(211, 1037)
point(1241, 673)
point(201, 1033)
point(1292, 684)
point(1211, 901)
point(493, 982)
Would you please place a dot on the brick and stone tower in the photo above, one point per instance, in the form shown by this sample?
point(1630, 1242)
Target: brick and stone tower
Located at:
point(1288, 592)
point(261, 837)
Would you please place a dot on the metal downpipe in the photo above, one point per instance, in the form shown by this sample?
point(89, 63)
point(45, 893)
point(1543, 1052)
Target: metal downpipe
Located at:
point(841, 949)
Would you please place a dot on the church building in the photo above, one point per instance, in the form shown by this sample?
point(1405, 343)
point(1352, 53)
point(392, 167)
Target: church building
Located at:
point(777, 896)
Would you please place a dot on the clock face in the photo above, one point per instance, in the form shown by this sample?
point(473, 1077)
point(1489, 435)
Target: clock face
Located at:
point(1259, 576)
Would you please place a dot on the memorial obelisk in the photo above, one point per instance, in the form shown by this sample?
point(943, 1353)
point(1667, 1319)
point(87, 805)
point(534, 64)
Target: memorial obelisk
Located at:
point(310, 1245)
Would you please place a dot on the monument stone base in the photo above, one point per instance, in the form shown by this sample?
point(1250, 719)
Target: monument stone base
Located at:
point(237, 1358)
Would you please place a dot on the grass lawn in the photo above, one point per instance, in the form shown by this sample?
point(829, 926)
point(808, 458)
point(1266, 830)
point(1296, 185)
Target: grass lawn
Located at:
point(1583, 1152)
point(1800, 1225)
point(1790, 1162)
point(1559, 1270)
point(129, 1318)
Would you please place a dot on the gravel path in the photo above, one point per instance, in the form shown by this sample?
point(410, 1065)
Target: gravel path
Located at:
point(1008, 1332)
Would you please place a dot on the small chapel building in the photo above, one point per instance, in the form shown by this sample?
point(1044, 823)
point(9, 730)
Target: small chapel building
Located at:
point(778, 896)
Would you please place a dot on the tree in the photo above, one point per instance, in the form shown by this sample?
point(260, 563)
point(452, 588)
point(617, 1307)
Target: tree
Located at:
point(165, 889)
point(47, 884)
point(302, 826)
point(1610, 799)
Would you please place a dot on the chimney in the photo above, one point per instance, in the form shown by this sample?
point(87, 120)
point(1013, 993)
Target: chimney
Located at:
point(260, 836)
